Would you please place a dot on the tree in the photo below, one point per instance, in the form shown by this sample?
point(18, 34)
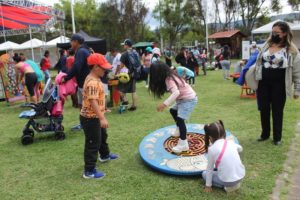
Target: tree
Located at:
point(113, 20)
point(250, 9)
point(199, 17)
point(295, 4)
point(83, 20)
point(175, 16)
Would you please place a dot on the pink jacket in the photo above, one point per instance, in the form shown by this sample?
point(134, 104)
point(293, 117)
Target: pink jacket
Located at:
point(67, 88)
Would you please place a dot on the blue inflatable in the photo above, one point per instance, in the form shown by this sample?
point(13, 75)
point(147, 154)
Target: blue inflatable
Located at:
point(155, 151)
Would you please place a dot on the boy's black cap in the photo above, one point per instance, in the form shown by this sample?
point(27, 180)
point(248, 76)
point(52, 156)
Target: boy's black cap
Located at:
point(77, 37)
point(127, 42)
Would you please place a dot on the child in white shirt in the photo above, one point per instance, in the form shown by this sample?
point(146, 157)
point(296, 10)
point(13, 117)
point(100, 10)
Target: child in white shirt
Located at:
point(223, 156)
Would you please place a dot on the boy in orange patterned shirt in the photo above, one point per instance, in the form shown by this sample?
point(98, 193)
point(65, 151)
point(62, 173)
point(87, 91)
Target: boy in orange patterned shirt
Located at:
point(92, 117)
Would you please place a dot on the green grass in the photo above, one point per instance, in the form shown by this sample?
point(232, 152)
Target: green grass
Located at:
point(50, 169)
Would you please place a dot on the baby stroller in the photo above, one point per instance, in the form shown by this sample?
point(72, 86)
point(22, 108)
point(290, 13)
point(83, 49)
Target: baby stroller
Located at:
point(45, 116)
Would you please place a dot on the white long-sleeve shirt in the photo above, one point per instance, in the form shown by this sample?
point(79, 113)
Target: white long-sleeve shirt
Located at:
point(230, 168)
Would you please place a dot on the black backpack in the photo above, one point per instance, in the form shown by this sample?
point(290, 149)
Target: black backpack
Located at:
point(135, 68)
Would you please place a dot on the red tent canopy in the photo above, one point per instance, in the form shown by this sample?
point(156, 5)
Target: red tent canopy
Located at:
point(20, 18)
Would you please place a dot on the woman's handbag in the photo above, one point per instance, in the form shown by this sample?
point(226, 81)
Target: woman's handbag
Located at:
point(250, 78)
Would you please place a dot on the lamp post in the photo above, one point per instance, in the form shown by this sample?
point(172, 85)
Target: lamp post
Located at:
point(73, 18)
point(206, 24)
point(161, 36)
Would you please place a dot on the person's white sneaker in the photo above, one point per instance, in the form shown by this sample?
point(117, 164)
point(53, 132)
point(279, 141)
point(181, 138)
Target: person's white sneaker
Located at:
point(182, 145)
point(232, 188)
point(176, 133)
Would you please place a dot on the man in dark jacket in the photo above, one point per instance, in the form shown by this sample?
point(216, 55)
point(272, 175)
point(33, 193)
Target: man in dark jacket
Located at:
point(181, 58)
point(80, 68)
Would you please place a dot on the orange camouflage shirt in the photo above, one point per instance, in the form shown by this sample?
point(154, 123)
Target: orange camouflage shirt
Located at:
point(92, 89)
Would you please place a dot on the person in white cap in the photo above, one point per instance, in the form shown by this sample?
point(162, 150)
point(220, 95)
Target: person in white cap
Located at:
point(253, 47)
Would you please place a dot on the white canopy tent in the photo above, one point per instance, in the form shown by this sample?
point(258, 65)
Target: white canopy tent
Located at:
point(60, 39)
point(51, 46)
point(8, 46)
point(267, 28)
point(31, 49)
point(33, 43)
point(296, 34)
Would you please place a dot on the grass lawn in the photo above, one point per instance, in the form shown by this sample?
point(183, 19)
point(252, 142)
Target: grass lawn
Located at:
point(50, 169)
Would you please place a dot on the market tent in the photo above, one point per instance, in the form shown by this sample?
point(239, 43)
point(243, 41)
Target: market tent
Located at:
point(8, 46)
point(32, 49)
point(33, 43)
point(267, 28)
point(97, 44)
point(60, 39)
point(296, 34)
point(143, 44)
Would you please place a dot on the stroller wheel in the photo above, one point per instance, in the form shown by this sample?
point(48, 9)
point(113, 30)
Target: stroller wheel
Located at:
point(60, 136)
point(27, 139)
point(28, 132)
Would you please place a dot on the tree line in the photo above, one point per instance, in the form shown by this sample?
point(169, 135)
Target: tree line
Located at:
point(180, 20)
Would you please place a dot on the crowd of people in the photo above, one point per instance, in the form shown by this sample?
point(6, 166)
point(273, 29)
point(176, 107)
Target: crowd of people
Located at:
point(277, 68)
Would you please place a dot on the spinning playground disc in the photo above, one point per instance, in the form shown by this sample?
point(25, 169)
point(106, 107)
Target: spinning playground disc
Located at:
point(155, 151)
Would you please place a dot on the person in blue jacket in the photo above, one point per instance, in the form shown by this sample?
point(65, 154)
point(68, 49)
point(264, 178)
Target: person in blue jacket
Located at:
point(251, 61)
point(185, 73)
point(80, 68)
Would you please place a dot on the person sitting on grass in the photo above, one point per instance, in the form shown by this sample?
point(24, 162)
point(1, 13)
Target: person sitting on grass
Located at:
point(223, 156)
point(92, 117)
point(162, 80)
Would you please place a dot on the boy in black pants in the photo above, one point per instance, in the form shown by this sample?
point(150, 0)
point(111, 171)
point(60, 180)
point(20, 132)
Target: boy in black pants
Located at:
point(92, 117)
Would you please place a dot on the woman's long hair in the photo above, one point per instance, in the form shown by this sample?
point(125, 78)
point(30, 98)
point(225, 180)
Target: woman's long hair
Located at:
point(159, 72)
point(214, 130)
point(285, 28)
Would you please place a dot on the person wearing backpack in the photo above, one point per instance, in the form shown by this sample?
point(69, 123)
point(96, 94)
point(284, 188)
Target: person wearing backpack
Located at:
point(130, 59)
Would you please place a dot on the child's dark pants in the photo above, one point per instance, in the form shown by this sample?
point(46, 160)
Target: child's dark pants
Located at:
point(180, 123)
point(95, 141)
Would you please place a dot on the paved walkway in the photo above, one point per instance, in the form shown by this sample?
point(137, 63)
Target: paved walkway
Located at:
point(294, 188)
point(290, 178)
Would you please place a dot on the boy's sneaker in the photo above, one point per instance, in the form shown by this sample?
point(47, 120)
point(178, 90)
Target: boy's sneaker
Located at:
point(76, 127)
point(94, 174)
point(111, 156)
point(232, 188)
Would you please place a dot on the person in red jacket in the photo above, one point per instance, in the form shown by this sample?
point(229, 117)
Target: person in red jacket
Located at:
point(70, 59)
point(45, 65)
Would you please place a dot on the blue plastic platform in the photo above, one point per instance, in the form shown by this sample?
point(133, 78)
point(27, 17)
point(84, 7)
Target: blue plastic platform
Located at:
point(153, 152)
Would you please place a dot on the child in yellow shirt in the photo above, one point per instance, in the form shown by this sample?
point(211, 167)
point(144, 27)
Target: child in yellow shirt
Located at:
point(92, 117)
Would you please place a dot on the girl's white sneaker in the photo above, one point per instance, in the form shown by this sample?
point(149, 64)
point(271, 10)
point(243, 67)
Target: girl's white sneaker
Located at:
point(182, 145)
point(176, 133)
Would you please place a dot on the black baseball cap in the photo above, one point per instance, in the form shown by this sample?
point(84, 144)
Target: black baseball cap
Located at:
point(127, 42)
point(77, 37)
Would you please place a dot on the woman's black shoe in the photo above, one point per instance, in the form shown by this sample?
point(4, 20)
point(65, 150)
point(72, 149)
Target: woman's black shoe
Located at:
point(261, 139)
point(277, 143)
point(133, 108)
